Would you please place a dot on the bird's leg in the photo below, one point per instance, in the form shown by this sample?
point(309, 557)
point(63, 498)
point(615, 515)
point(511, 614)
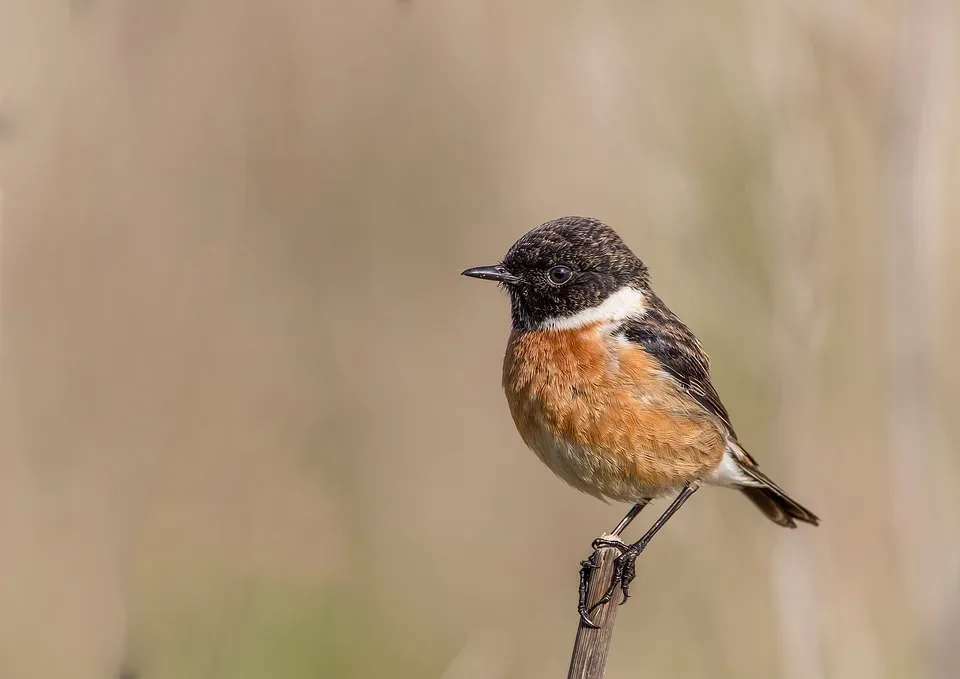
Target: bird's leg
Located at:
point(631, 515)
point(625, 566)
point(589, 565)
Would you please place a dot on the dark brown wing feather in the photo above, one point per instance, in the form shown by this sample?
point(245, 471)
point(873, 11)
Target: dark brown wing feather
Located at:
point(679, 353)
point(666, 338)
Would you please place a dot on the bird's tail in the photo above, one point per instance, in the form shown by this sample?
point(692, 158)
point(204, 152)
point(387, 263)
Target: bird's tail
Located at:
point(769, 498)
point(774, 502)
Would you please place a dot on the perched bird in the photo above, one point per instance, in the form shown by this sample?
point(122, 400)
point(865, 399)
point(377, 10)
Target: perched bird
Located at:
point(611, 390)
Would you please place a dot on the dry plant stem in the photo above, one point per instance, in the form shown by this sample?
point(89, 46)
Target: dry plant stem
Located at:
point(592, 645)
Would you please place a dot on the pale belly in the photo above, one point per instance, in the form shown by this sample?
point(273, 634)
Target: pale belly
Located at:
point(597, 471)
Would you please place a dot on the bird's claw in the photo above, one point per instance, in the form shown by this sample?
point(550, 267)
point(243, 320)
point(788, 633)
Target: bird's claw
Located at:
point(624, 572)
point(629, 572)
point(586, 566)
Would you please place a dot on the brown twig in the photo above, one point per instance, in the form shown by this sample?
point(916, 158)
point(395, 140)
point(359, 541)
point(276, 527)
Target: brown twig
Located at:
point(592, 645)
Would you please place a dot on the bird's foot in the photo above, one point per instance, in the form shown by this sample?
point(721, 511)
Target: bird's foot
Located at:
point(624, 571)
point(587, 566)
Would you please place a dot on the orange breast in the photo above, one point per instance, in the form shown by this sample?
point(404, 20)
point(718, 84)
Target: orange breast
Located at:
point(604, 417)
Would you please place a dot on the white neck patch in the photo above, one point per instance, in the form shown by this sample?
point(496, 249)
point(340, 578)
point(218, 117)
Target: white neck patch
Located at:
point(625, 303)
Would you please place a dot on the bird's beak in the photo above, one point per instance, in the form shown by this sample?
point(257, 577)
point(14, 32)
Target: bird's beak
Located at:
point(491, 273)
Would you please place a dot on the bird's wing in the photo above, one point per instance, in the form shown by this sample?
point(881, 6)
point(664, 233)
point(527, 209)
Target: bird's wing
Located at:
point(664, 337)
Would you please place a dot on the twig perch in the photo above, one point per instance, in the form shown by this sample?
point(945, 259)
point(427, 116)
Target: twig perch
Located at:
point(592, 645)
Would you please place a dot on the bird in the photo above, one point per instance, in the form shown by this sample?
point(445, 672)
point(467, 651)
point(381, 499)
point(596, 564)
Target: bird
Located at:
point(612, 391)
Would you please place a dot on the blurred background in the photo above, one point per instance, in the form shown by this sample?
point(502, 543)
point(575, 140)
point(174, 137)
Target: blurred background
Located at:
point(252, 424)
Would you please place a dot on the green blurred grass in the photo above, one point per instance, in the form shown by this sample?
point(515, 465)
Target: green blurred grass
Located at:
point(271, 630)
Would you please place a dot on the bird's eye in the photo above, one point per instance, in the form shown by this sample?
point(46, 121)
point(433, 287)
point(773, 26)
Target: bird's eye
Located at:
point(559, 275)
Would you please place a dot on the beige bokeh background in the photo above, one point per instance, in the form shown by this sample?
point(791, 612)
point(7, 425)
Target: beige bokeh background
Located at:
point(251, 417)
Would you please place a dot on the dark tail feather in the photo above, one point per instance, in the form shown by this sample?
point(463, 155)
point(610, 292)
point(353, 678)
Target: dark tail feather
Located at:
point(774, 502)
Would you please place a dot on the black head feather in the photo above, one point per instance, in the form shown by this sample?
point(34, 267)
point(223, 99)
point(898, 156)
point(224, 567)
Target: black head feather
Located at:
point(599, 260)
